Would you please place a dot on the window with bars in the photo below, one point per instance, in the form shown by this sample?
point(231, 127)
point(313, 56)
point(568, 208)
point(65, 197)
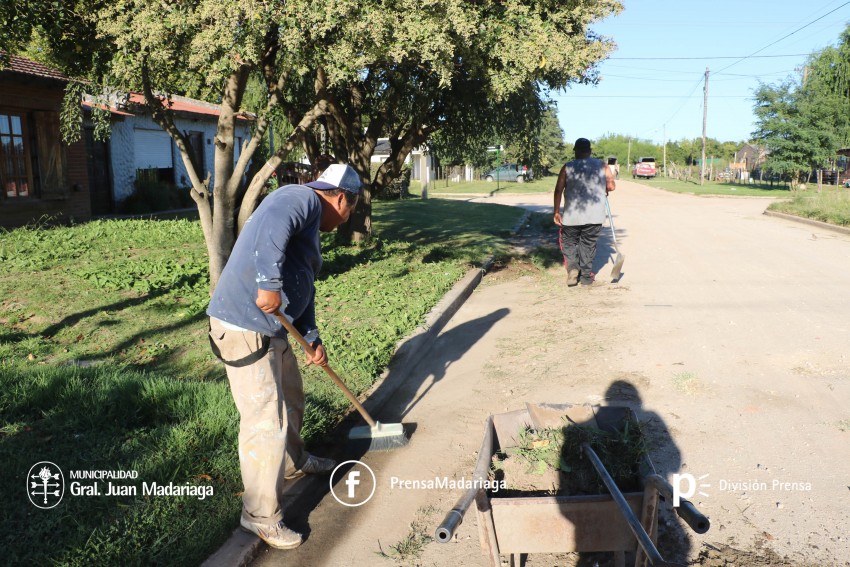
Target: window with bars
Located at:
point(15, 170)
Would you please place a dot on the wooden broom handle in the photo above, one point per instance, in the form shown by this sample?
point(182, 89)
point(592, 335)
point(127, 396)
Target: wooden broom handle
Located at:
point(311, 353)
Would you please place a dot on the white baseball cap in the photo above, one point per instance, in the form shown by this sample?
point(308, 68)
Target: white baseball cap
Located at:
point(337, 176)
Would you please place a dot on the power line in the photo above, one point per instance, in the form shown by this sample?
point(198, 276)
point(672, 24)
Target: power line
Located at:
point(757, 75)
point(715, 56)
point(687, 98)
point(654, 96)
point(733, 77)
point(753, 54)
point(669, 71)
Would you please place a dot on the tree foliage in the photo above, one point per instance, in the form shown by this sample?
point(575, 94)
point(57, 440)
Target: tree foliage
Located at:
point(342, 72)
point(626, 149)
point(804, 121)
point(525, 126)
point(469, 70)
point(538, 141)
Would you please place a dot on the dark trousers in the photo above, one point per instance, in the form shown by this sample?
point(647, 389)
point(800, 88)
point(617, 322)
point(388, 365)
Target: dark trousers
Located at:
point(578, 245)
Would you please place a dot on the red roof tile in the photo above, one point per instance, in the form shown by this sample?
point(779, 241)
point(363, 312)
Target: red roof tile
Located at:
point(90, 105)
point(26, 66)
point(185, 104)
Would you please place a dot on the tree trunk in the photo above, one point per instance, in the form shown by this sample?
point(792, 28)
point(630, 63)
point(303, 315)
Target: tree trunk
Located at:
point(255, 189)
point(358, 228)
point(224, 189)
point(217, 215)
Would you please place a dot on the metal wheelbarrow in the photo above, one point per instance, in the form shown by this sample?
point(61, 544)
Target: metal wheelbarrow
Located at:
point(614, 522)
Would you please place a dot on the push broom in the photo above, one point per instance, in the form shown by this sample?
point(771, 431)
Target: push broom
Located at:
point(617, 270)
point(381, 436)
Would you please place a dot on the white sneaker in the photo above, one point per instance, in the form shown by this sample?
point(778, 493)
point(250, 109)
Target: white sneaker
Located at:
point(277, 536)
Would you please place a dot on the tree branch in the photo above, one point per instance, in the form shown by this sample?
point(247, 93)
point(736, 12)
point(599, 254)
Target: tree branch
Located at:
point(252, 194)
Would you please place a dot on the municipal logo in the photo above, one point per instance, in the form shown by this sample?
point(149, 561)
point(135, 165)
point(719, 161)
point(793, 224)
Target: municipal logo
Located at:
point(352, 485)
point(45, 485)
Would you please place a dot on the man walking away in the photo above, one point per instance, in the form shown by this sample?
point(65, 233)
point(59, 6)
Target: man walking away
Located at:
point(583, 183)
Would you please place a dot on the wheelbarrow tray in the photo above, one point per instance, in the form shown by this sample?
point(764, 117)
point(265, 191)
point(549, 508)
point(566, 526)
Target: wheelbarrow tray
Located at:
point(555, 524)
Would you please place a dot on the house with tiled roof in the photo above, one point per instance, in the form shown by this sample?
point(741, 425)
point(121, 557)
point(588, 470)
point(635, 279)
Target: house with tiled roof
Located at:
point(139, 152)
point(42, 178)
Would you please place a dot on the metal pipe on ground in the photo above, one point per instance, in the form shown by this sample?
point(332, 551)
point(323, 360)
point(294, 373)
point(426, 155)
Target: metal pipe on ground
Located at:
point(454, 518)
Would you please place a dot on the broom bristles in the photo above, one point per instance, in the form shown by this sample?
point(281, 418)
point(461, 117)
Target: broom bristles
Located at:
point(617, 270)
point(382, 437)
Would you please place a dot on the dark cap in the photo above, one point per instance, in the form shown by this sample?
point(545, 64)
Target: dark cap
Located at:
point(582, 145)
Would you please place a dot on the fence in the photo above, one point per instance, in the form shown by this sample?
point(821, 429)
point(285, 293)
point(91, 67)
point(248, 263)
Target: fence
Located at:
point(456, 174)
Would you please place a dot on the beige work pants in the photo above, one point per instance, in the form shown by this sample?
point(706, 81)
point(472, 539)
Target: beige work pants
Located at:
point(270, 398)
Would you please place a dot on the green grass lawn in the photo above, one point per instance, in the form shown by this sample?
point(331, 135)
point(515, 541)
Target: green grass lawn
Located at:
point(831, 205)
point(715, 188)
point(441, 187)
point(105, 365)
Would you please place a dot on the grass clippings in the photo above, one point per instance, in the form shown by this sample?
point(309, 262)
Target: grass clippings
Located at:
point(687, 382)
point(412, 544)
point(551, 461)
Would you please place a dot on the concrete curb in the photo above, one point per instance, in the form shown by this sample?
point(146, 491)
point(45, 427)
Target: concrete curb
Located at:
point(238, 551)
point(241, 547)
point(811, 222)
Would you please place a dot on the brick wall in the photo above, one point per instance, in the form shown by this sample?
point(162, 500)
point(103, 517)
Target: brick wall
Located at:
point(23, 94)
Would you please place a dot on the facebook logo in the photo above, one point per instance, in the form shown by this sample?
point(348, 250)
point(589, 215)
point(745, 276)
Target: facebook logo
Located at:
point(352, 483)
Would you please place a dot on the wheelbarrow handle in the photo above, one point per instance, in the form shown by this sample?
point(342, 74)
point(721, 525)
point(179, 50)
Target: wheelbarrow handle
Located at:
point(693, 517)
point(634, 524)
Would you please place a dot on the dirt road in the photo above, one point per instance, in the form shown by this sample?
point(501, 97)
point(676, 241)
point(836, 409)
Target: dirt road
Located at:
point(728, 332)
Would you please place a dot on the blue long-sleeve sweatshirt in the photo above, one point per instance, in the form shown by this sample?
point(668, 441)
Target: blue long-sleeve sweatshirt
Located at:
point(277, 250)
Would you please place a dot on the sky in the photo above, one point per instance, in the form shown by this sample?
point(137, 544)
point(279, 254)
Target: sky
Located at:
point(645, 94)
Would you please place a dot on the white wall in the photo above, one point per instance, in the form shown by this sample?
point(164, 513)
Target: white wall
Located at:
point(122, 149)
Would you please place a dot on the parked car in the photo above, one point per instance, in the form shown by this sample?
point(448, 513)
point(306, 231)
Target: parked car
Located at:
point(645, 167)
point(508, 172)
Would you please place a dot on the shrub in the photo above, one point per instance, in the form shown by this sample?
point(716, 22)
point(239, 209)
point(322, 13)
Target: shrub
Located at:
point(399, 188)
point(152, 196)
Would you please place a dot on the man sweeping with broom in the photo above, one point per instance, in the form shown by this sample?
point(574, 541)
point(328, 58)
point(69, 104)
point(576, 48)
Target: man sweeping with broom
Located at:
point(584, 184)
point(272, 268)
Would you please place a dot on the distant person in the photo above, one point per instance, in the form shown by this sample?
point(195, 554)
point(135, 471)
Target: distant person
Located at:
point(583, 184)
point(614, 167)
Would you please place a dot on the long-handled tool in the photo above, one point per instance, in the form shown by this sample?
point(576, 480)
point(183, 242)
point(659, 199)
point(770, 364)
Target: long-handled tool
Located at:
point(686, 510)
point(617, 270)
point(382, 436)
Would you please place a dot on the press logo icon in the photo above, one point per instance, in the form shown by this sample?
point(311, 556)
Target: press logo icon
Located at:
point(45, 485)
point(690, 490)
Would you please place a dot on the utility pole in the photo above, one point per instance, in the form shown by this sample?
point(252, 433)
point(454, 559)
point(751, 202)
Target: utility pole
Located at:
point(629, 155)
point(665, 150)
point(704, 118)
